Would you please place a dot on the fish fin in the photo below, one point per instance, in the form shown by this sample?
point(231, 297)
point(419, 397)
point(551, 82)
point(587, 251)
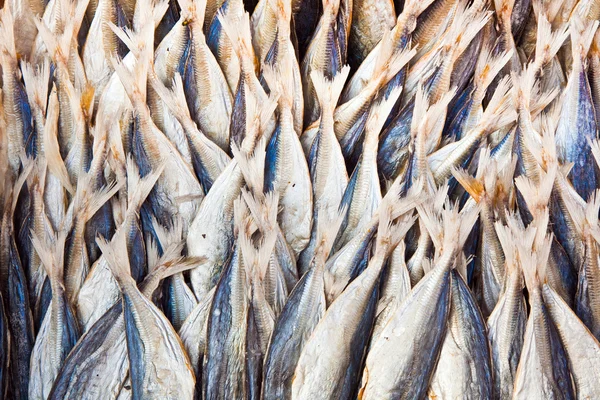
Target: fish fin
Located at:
point(547, 42)
point(37, 80)
point(489, 65)
point(139, 188)
point(328, 91)
point(56, 164)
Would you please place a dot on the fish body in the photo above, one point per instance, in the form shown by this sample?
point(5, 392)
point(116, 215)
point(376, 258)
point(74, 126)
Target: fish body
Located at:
point(224, 369)
point(370, 20)
point(464, 368)
point(327, 168)
point(577, 122)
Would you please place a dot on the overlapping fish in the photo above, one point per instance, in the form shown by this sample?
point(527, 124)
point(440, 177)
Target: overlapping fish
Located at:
point(299, 199)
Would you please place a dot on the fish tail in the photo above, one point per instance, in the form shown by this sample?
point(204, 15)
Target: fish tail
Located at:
point(171, 241)
point(174, 98)
point(28, 164)
point(242, 222)
point(431, 115)
point(7, 33)
point(192, 12)
point(252, 166)
point(489, 65)
point(465, 26)
point(537, 196)
point(332, 5)
point(36, 83)
point(326, 235)
point(264, 209)
point(59, 46)
point(467, 219)
point(284, 16)
point(139, 188)
point(448, 228)
point(278, 78)
point(256, 260)
point(582, 35)
point(504, 9)
point(429, 212)
point(595, 145)
point(509, 235)
point(55, 162)
point(115, 253)
point(378, 115)
point(533, 261)
point(547, 42)
point(390, 61)
point(592, 208)
point(148, 14)
point(500, 111)
point(473, 185)
point(239, 34)
point(329, 91)
point(390, 233)
point(89, 203)
point(134, 81)
point(51, 253)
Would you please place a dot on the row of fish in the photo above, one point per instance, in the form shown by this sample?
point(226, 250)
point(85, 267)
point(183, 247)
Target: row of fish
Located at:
point(372, 199)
